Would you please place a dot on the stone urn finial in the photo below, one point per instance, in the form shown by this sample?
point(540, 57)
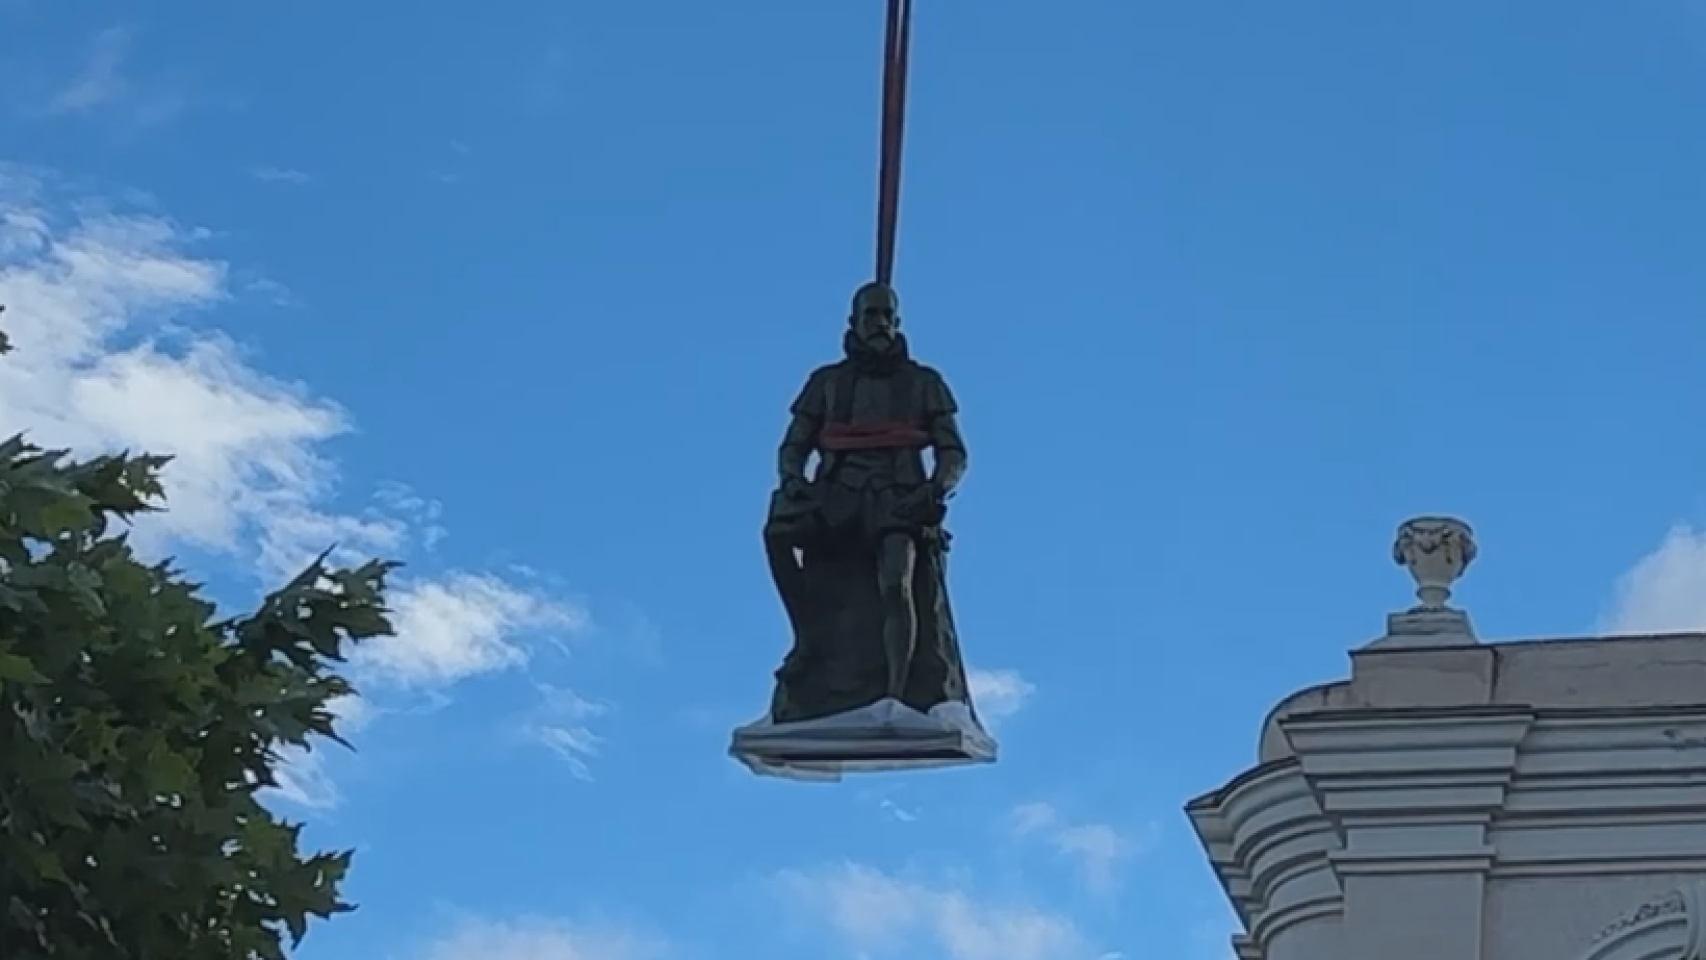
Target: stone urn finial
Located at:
point(1436, 550)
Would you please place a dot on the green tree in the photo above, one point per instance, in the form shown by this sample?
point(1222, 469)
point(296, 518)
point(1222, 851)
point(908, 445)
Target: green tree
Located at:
point(137, 728)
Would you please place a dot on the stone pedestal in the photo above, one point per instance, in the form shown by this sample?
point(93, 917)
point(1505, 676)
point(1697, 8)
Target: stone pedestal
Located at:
point(1427, 628)
point(886, 736)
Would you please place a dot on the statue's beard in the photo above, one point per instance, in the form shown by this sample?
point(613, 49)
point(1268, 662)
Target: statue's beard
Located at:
point(875, 353)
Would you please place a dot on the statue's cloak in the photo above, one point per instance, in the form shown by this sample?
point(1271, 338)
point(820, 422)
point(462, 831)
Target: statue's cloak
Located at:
point(838, 663)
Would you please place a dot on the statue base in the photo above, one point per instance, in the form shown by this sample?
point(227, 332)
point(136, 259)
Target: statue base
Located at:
point(887, 735)
point(1426, 628)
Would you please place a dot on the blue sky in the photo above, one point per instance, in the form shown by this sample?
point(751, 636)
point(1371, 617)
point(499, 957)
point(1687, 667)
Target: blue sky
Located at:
point(520, 295)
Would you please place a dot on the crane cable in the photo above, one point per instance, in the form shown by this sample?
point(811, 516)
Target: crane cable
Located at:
point(897, 40)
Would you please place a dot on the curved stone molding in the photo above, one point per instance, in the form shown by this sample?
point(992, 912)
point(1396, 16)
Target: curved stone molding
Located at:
point(1672, 927)
point(1273, 745)
point(1271, 844)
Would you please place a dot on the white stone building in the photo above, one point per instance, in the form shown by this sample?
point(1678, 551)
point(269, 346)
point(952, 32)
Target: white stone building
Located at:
point(1455, 800)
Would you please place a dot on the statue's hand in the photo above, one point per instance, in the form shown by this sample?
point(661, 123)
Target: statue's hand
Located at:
point(795, 488)
point(926, 505)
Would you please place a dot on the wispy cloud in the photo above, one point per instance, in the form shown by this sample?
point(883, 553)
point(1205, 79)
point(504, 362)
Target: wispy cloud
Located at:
point(454, 169)
point(903, 814)
point(541, 939)
point(878, 914)
point(100, 81)
point(284, 175)
point(272, 291)
point(545, 85)
point(105, 85)
point(1097, 850)
point(884, 798)
point(561, 725)
point(998, 694)
point(103, 361)
point(425, 515)
point(304, 778)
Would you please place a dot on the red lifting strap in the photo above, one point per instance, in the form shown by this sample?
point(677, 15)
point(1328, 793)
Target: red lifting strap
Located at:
point(896, 42)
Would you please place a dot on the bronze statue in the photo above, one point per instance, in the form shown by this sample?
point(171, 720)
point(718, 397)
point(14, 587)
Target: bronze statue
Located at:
point(858, 551)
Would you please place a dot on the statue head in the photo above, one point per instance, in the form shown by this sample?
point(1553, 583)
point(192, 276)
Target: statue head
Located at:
point(876, 315)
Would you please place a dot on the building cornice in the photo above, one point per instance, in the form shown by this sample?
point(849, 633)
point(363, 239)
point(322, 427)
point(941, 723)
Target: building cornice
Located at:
point(1501, 790)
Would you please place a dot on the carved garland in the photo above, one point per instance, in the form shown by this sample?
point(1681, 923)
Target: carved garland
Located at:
point(1674, 924)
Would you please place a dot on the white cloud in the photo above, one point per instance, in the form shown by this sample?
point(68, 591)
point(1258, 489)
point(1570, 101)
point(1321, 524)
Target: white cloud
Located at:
point(104, 360)
point(1096, 849)
point(92, 370)
point(998, 694)
point(540, 940)
point(1666, 591)
point(460, 626)
point(878, 914)
point(352, 713)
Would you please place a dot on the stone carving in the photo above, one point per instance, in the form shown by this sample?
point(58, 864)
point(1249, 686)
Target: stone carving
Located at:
point(1672, 927)
point(1437, 551)
point(1670, 904)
